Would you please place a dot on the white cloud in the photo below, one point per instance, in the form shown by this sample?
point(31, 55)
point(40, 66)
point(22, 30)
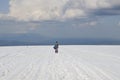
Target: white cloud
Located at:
point(93, 23)
point(71, 13)
point(36, 9)
point(48, 10)
point(28, 10)
point(85, 24)
point(5, 17)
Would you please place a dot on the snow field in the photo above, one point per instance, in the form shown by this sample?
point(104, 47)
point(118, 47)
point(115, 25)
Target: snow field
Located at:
point(73, 62)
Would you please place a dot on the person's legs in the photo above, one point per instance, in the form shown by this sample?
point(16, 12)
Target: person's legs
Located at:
point(56, 50)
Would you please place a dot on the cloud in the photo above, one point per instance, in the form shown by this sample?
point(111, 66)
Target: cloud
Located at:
point(12, 26)
point(35, 10)
point(107, 11)
point(90, 23)
point(93, 23)
point(6, 17)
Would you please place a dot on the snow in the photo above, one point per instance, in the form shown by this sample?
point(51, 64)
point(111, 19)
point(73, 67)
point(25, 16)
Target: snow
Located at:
point(73, 62)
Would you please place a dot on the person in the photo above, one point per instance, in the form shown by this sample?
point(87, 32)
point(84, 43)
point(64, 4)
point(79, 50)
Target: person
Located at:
point(56, 46)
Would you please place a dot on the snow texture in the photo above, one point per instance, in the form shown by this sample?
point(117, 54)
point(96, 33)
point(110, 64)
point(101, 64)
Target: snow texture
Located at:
point(71, 63)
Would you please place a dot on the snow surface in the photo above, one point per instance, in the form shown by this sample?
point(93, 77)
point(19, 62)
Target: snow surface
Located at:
point(71, 63)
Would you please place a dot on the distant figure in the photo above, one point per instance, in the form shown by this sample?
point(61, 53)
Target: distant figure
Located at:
point(56, 46)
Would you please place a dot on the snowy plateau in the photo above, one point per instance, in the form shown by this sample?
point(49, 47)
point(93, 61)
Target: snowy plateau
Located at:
point(73, 62)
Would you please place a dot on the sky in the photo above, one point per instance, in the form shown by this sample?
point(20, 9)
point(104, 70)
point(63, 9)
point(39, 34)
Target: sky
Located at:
point(99, 19)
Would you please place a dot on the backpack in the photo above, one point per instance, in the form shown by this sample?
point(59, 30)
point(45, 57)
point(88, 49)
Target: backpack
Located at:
point(55, 46)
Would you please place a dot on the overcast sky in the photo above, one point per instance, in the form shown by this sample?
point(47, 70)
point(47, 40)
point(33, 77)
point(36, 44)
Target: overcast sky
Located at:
point(61, 18)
